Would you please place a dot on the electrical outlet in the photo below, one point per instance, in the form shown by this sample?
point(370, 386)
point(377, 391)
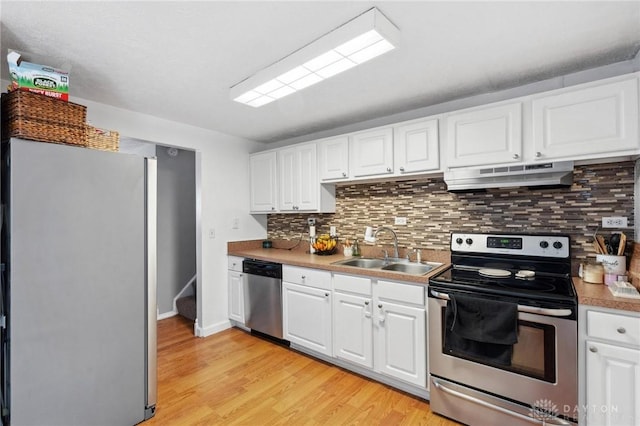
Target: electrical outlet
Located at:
point(212, 233)
point(236, 223)
point(614, 222)
point(401, 221)
point(311, 221)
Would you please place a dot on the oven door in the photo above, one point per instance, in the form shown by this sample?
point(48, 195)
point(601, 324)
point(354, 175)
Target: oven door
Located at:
point(543, 370)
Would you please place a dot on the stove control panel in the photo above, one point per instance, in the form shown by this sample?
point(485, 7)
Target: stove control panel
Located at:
point(556, 246)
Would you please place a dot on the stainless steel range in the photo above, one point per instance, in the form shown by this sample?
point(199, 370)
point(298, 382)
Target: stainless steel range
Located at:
point(503, 331)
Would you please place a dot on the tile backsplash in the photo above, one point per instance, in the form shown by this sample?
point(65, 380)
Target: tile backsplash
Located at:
point(432, 212)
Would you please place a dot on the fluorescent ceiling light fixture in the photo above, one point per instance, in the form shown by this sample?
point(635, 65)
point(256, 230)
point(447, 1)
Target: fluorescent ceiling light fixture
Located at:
point(356, 42)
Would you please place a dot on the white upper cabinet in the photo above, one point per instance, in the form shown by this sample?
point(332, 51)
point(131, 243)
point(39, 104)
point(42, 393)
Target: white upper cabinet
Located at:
point(485, 135)
point(596, 120)
point(587, 123)
point(299, 184)
point(263, 190)
point(416, 147)
point(334, 159)
point(371, 153)
point(286, 181)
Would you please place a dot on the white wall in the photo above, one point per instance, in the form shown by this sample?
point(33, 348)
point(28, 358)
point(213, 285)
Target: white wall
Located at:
point(223, 164)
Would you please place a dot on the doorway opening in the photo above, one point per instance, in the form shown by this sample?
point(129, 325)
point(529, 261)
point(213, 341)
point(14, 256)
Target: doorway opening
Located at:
point(178, 220)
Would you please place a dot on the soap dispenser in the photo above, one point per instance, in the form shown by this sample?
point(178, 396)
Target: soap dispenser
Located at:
point(356, 248)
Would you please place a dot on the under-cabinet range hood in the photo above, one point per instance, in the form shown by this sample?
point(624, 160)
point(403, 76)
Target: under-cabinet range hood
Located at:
point(542, 174)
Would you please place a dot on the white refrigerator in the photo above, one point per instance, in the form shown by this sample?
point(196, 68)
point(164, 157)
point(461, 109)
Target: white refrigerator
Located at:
point(78, 286)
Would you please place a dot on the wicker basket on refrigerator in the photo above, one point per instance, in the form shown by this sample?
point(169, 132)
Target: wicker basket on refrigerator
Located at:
point(37, 117)
point(105, 140)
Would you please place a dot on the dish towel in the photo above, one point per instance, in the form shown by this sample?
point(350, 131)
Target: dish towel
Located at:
point(482, 329)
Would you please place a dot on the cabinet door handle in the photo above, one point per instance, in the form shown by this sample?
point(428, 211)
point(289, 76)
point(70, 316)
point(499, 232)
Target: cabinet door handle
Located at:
point(402, 169)
point(538, 154)
point(366, 302)
point(303, 277)
point(367, 309)
point(593, 349)
point(382, 314)
point(516, 156)
point(621, 330)
point(344, 174)
point(389, 169)
point(326, 295)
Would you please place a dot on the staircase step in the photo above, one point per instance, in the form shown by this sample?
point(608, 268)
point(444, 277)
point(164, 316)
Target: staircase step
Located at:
point(187, 307)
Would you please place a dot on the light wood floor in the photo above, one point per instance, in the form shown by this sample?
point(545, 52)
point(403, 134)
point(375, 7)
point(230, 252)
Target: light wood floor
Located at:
point(234, 378)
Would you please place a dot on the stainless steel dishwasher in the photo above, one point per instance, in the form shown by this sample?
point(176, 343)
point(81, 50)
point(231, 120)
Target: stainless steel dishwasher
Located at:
point(263, 296)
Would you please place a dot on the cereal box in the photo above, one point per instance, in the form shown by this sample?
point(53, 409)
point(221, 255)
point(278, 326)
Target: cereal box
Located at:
point(37, 78)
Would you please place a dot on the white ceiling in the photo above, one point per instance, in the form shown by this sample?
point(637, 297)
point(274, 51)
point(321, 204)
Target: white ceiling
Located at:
point(177, 60)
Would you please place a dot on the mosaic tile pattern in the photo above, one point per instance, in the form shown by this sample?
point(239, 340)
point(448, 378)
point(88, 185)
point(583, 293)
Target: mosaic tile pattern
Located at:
point(432, 212)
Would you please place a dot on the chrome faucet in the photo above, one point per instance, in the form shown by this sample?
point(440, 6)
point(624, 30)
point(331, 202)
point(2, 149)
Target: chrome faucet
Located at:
point(395, 239)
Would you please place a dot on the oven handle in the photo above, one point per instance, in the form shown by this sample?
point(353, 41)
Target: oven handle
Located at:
point(546, 421)
point(521, 308)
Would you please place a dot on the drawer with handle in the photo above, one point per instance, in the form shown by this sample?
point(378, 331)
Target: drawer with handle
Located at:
point(306, 276)
point(235, 263)
point(614, 327)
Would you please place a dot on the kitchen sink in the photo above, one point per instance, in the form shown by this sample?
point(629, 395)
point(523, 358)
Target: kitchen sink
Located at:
point(391, 265)
point(408, 268)
point(363, 262)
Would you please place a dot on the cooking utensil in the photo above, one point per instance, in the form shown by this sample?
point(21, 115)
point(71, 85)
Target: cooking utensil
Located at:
point(608, 247)
point(602, 244)
point(614, 242)
point(623, 244)
point(596, 246)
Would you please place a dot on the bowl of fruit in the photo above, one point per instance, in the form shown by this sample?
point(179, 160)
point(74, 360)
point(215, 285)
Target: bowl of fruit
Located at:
point(324, 244)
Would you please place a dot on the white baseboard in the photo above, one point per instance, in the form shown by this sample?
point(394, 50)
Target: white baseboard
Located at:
point(212, 329)
point(239, 325)
point(167, 315)
point(398, 384)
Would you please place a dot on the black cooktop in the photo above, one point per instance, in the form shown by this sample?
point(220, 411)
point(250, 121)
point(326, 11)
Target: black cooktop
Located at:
point(542, 286)
point(529, 269)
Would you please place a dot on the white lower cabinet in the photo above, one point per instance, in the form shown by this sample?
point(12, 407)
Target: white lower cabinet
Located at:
point(610, 373)
point(306, 315)
point(401, 335)
point(353, 336)
point(236, 289)
point(613, 385)
point(352, 319)
point(381, 325)
point(401, 347)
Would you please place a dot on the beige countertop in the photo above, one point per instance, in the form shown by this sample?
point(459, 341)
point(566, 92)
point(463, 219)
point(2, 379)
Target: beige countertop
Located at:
point(300, 256)
point(288, 253)
point(599, 295)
